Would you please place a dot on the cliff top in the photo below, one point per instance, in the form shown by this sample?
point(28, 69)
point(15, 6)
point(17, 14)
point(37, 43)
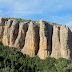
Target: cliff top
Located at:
point(28, 21)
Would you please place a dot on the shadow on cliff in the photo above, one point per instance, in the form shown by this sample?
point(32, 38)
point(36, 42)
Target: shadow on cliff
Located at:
point(48, 34)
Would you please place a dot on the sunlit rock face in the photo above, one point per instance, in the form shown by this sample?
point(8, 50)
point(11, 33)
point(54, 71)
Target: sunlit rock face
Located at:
point(6, 34)
point(45, 40)
point(62, 42)
point(66, 42)
point(20, 40)
point(31, 41)
point(56, 46)
point(37, 38)
point(13, 32)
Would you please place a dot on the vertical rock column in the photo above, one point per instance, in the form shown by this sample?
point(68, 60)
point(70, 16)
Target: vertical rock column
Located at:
point(31, 40)
point(14, 32)
point(2, 24)
point(56, 48)
point(66, 42)
point(45, 39)
point(20, 41)
point(6, 34)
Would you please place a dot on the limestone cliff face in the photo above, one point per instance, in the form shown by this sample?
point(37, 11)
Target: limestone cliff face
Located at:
point(2, 24)
point(6, 35)
point(13, 32)
point(62, 42)
point(45, 40)
point(37, 38)
point(30, 48)
point(56, 47)
point(66, 42)
point(20, 40)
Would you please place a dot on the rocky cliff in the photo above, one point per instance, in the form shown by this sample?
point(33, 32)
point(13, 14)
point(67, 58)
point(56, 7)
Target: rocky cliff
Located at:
point(37, 38)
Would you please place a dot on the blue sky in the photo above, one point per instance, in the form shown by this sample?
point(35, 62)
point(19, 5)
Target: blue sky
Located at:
point(57, 11)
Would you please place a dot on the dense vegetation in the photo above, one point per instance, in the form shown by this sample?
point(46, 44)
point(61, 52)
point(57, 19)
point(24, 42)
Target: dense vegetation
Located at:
point(14, 61)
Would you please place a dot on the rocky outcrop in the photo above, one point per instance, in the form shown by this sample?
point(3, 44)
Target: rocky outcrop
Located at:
point(1, 32)
point(2, 24)
point(37, 38)
point(13, 32)
point(66, 42)
point(45, 40)
point(31, 41)
point(2, 21)
point(56, 47)
point(62, 42)
point(6, 35)
point(20, 41)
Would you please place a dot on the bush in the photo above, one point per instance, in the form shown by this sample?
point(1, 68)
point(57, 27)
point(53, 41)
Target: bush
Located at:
point(14, 61)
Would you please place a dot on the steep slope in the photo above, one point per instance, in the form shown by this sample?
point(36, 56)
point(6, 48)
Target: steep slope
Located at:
point(45, 39)
point(31, 41)
point(37, 38)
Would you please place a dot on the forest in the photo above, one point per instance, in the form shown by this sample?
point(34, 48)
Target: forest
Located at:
point(12, 60)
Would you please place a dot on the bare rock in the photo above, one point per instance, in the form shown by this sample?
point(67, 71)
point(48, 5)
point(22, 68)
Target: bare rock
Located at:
point(2, 24)
point(6, 34)
point(20, 41)
point(31, 40)
point(14, 32)
point(2, 21)
point(40, 39)
point(45, 39)
point(66, 42)
point(1, 32)
point(56, 47)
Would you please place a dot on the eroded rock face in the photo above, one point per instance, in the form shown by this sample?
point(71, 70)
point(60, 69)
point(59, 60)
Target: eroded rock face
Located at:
point(62, 42)
point(45, 40)
point(66, 42)
point(1, 32)
point(20, 41)
point(31, 40)
point(56, 47)
point(2, 21)
point(40, 39)
point(6, 34)
point(2, 24)
point(13, 32)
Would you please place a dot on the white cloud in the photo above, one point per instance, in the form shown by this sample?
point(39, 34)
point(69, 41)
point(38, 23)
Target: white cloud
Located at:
point(27, 7)
point(21, 8)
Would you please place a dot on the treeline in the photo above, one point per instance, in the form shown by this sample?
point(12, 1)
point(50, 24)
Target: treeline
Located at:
point(14, 61)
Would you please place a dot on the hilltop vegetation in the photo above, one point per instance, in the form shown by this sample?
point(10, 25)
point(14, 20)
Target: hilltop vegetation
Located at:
point(14, 61)
point(28, 21)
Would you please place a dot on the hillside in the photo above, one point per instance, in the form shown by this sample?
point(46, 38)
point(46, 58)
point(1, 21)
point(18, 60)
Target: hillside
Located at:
point(34, 46)
point(35, 38)
point(14, 61)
